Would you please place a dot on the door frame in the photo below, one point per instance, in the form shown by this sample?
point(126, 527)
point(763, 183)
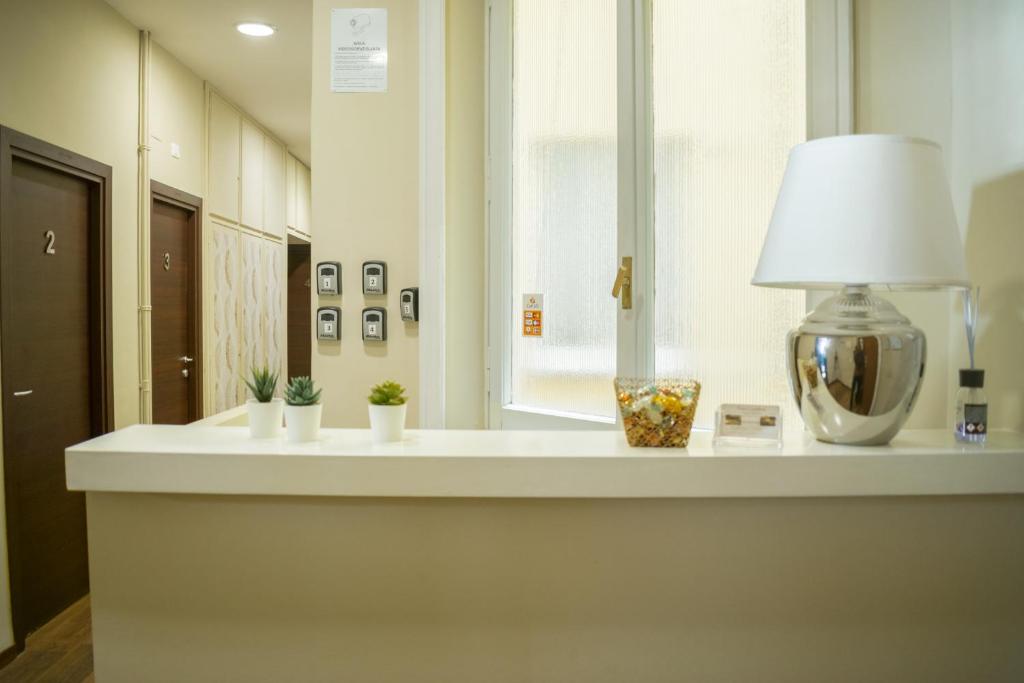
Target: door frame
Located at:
point(15, 145)
point(160, 192)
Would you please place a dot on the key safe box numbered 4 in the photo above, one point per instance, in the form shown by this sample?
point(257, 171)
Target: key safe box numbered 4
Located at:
point(375, 324)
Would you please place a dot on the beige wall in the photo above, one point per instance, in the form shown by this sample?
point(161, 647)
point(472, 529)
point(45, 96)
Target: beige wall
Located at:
point(953, 72)
point(903, 85)
point(465, 229)
point(175, 116)
point(987, 173)
point(69, 75)
point(366, 206)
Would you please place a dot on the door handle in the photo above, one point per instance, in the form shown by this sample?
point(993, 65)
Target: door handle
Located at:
point(186, 359)
point(24, 393)
point(624, 283)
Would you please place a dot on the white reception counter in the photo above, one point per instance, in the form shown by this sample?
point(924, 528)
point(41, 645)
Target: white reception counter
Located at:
point(550, 556)
point(523, 464)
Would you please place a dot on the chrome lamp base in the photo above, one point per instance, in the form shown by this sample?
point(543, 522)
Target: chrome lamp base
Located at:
point(855, 368)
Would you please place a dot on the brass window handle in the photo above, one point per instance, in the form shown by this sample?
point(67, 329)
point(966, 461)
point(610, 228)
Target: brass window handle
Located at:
point(624, 283)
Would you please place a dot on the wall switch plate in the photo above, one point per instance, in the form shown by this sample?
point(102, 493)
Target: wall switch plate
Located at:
point(328, 323)
point(409, 304)
point(328, 278)
point(175, 150)
point(375, 277)
point(375, 324)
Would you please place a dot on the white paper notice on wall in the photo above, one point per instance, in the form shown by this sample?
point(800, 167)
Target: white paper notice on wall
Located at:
point(359, 50)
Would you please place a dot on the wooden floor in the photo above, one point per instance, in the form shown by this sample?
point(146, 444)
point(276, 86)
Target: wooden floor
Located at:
point(60, 652)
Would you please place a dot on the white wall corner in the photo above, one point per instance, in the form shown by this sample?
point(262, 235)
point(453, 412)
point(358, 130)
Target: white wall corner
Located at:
point(431, 215)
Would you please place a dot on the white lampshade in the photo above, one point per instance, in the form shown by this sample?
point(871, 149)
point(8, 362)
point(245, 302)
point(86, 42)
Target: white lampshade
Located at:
point(863, 210)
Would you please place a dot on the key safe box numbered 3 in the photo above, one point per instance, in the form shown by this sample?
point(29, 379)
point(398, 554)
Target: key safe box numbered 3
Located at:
point(328, 278)
point(375, 277)
point(409, 304)
point(328, 323)
point(375, 324)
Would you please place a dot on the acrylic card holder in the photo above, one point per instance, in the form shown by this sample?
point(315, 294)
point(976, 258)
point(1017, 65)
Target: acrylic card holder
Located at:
point(737, 424)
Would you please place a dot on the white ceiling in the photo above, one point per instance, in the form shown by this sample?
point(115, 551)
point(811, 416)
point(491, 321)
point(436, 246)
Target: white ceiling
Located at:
point(270, 78)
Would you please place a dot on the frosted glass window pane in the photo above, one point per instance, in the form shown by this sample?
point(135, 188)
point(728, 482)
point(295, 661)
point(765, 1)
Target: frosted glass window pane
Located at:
point(564, 203)
point(729, 103)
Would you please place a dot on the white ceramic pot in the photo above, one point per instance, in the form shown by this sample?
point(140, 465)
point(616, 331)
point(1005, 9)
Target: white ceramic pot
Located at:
point(387, 423)
point(303, 422)
point(265, 418)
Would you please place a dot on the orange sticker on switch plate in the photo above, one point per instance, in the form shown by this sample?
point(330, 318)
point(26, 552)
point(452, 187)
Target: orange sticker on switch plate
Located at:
point(533, 315)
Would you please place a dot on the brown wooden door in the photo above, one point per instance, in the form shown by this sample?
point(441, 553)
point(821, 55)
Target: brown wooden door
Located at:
point(54, 224)
point(174, 276)
point(300, 312)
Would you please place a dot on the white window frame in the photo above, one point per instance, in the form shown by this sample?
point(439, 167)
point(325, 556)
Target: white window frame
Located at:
point(829, 112)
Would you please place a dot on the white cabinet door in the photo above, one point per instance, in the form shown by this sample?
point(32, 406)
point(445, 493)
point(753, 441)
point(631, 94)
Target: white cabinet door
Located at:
point(303, 204)
point(252, 176)
point(225, 131)
point(291, 198)
point(274, 188)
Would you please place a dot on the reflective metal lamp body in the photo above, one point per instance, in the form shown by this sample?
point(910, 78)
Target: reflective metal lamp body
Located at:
point(855, 368)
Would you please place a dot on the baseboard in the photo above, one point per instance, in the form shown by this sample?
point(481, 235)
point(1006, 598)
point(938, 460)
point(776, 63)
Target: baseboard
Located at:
point(8, 655)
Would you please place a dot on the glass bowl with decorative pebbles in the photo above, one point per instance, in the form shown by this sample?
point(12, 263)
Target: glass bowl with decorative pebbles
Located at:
point(657, 413)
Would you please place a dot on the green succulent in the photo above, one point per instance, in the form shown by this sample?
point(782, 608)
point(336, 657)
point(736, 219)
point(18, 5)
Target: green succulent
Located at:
point(263, 384)
point(300, 392)
point(387, 394)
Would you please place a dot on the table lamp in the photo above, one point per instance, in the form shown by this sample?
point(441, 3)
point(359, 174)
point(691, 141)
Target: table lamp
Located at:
point(856, 212)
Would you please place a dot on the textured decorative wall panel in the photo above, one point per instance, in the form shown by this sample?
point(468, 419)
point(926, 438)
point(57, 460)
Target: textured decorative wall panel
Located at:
point(225, 318)
point(253, 300)
point(273, 292)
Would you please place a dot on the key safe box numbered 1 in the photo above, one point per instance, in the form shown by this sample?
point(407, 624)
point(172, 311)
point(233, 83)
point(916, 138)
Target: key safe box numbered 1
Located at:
point(328, 278)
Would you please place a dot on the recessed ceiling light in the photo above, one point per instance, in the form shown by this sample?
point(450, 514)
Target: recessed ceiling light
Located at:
point(255, 29)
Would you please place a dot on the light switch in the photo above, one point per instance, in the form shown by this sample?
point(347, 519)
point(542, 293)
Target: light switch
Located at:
point(175, 150)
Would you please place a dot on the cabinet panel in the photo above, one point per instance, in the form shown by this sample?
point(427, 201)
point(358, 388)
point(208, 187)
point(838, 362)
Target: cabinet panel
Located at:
point(290, 181)
point(252, 175)
point(225, 132)
point(274, 188)
point(303, 200)
point(274, 313)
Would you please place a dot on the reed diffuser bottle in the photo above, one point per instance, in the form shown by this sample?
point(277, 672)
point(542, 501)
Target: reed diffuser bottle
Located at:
point(970, 424)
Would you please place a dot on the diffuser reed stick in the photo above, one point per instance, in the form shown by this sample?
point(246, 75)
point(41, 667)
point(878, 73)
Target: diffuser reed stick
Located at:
point(972, 300)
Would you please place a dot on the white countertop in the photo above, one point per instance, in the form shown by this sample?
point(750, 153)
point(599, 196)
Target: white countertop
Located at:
point(531, 464)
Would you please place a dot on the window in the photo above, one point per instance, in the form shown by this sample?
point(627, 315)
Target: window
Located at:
point(659, 130)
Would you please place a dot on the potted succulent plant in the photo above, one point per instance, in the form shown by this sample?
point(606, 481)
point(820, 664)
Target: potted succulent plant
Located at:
point(302, 410)
point(387, 412)
point(264, 410)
